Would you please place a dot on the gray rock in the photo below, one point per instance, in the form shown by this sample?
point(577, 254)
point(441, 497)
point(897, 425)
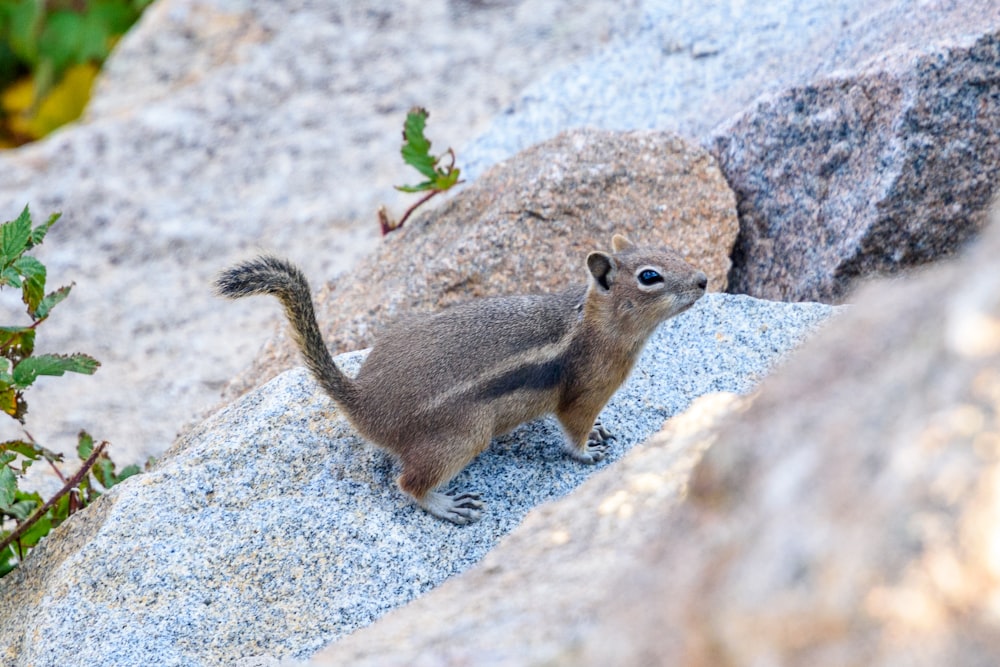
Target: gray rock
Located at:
point(848, 515)
point(551, 580)
point(866, 171)
point(271, 530)
point(687, 68)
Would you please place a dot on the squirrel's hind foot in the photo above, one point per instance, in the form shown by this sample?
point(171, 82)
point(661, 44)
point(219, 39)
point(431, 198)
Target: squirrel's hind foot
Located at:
point(599, 433)
point(592, 452)
point(459, 507)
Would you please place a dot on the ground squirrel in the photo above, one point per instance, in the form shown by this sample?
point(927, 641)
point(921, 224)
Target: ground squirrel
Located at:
point(437, 388)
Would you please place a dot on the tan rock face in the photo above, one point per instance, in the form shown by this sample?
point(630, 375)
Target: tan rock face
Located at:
point(849, 516)
point(527, 226)
point(852, 516)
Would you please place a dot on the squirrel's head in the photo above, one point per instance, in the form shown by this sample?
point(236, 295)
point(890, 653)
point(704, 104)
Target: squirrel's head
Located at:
point(637, 288)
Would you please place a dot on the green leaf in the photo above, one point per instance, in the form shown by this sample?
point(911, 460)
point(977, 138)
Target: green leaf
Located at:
point(28, 370)
point(416, 148)
point(9, 402)
point(64, 40)
point(10, 276)
point(84, 445)
point(38, 530)
point(127, 471)
point(447, 179)
point(117, 15)
point(50, 301)
point(8, 559)
point(15, 342)
point(104, 471)
point(14, 237)
point(421, 187)
point(61, 510)
point(22, 509)
point(8, 485)
point(25, 22)
point(39, 232)
point(30, 450)
point(33, 286)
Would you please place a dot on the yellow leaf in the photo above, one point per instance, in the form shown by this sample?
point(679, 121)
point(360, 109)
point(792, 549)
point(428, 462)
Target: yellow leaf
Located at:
point(18, 96)
point(63, 103)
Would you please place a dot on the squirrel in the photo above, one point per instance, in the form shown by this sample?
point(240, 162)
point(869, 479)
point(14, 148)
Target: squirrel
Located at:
point(435, 389)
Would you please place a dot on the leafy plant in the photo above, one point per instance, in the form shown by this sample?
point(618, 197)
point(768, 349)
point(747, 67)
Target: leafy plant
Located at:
point(50, 53)
point(416, 152)
point(33, 518)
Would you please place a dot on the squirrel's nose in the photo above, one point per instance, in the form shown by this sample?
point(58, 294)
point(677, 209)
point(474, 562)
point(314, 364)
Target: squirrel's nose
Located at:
point(701, 280)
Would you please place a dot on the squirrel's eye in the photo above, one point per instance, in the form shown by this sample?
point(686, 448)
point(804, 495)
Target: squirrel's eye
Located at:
point(649, 276)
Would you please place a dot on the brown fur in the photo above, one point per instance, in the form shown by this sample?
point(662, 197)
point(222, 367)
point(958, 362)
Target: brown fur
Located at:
point(436, 389)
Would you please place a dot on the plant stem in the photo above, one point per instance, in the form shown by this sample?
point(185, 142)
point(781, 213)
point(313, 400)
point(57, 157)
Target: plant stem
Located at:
point(412, 208)
point(71, 484)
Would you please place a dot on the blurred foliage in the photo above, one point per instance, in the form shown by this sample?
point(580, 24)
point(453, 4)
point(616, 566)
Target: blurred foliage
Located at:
point(50, 52)
point(25, 517)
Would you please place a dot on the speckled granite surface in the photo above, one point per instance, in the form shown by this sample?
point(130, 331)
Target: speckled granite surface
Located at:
point(273, 530)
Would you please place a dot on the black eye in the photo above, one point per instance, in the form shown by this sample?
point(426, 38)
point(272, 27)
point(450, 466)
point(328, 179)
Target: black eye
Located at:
point(649, 276)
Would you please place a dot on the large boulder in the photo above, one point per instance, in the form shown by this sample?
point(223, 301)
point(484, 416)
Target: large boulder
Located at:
point(272, 530)
point(527, 226)
point(874, 144)
point(848, 516)
point(865, 171)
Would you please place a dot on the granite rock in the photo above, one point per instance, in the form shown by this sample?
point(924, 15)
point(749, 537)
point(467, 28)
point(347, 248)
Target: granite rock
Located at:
point(865, 171)
point(564, 554)
point(527, 226)
point(846, 515)
point(851, 516)
point(686, 67)
point(874, 146)
point(271, 530)
point(689, 67)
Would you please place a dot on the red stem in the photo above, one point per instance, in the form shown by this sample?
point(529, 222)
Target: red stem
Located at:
point(412, 208)
point(67, 487)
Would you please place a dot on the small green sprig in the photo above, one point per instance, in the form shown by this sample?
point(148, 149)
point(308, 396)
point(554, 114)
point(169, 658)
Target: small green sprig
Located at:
point(416, 152)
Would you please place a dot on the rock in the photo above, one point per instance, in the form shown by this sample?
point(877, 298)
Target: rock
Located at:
point(224, 126)
point(875, 145)
point(685, 68)
point(849, 516)
point(527, 226)
point(270, 530)
point(865, 171)
point(556, 555)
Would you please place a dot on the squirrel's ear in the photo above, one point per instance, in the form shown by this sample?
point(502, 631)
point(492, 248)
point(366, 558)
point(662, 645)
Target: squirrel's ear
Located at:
point(619, 243)
point(603, 268)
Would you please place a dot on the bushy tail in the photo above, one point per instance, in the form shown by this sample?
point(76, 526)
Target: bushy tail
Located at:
point(270, 275)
